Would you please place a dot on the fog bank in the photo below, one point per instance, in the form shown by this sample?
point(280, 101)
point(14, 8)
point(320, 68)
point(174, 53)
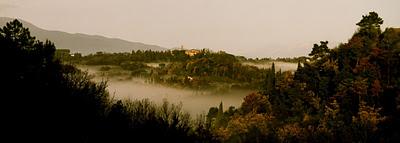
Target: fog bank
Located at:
point(194, 102)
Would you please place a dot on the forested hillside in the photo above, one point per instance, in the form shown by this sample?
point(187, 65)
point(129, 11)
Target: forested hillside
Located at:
point(350, 93)
point(204, 70)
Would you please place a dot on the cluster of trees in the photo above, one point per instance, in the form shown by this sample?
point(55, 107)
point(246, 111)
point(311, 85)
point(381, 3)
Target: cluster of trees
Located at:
point(147, 56)
point(269, 60)
point(208, 70)
point(350, 93)
point(46, 101)
point(301, 59)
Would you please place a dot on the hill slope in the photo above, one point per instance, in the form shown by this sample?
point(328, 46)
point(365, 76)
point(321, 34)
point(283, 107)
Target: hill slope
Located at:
point(83, 43)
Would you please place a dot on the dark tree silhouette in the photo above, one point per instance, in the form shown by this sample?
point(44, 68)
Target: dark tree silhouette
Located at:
point(46, 101)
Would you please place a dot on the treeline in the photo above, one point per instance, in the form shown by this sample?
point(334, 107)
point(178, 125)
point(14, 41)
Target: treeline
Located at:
point(346, 94)
point(301, 59)
point(46, 101)
point(143, 56)
point(146, 56)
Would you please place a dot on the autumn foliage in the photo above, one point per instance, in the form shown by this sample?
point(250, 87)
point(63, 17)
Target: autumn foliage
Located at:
point(350, 93)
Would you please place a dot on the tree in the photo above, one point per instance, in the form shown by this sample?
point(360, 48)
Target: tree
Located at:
point(270, 81)
point(256, 103)
point(319, 51)
point(370, 21)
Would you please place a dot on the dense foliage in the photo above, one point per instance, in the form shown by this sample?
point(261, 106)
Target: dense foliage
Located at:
point(350, 93)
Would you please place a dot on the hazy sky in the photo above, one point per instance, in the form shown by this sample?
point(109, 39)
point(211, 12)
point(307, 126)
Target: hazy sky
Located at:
point(253, 28)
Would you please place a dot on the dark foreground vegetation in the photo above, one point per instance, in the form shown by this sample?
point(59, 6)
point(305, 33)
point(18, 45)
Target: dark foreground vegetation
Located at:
point(350, 93)
point(45, 101)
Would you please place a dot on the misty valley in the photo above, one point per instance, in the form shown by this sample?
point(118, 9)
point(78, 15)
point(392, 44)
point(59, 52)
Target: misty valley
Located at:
point(185, 80)
point(346, 93)
point(122, 85)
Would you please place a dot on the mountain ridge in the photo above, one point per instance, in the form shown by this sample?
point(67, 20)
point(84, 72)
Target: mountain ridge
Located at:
point(83, 43)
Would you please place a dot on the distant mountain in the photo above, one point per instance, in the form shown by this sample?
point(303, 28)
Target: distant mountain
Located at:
point(83, 43)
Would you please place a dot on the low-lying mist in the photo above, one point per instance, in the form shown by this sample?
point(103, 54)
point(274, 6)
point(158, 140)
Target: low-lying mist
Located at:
point(195, 102)
point(284, 66)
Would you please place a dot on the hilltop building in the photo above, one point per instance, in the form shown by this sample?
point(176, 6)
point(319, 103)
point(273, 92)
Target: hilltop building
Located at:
point(192, 52)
